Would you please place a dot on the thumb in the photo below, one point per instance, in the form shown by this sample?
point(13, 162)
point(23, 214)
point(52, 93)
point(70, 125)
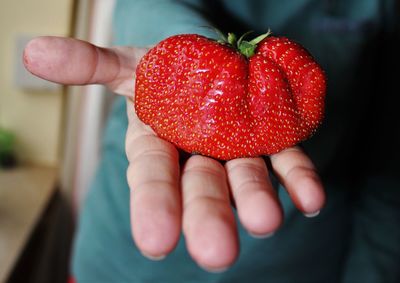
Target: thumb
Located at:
point(75, 62)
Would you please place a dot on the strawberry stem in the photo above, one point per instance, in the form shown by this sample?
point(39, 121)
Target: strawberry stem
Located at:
point(232, 39)
point(245, 47)
point(248, 48)
point(261, 37)
point(242, 37)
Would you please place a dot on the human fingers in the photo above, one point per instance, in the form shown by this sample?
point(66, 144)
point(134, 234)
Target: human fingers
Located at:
point(153, 177)
point(256, 200)
point(298, 175)
point(76, 62)
point(208, 221)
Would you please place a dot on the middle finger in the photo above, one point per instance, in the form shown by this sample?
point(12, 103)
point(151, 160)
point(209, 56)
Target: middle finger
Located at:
point(208, 221)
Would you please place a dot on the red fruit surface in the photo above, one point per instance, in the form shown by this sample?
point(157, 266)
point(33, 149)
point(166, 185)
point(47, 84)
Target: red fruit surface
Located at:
point(207, 98)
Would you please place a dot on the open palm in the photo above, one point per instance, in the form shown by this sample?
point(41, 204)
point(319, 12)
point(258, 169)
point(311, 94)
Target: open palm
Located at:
point(166, 197)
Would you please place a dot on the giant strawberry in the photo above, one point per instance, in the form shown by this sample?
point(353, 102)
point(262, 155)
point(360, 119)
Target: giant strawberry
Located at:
point(230, 99)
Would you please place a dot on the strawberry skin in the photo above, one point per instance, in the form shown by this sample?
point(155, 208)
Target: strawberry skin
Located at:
point(207, 98)
point(306, 80)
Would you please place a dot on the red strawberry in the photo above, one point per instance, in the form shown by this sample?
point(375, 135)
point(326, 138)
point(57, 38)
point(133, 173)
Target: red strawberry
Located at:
point(209, 98)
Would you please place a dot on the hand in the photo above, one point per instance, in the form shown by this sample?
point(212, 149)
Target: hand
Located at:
point(165, 197)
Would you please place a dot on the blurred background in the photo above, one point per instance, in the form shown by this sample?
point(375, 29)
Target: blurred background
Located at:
point(49, 138)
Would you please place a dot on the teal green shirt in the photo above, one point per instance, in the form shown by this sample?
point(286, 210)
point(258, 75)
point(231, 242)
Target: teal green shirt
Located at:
point(356, 237)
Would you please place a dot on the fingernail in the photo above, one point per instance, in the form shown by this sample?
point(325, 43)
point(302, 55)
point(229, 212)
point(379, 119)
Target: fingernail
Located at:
point(152, 257)
point(312, 214)
point(33, 51)
point(215, 270)
point(262, 236)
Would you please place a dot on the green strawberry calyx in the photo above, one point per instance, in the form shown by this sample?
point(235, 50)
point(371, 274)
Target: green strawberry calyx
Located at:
point(246, 47)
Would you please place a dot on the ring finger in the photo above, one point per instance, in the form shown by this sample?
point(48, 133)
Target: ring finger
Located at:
point(257, 203)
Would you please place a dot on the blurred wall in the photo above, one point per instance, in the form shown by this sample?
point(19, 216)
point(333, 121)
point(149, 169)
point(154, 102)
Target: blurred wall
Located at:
point(87, 106)
point(34, 116)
